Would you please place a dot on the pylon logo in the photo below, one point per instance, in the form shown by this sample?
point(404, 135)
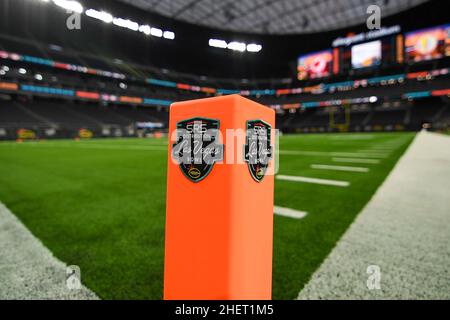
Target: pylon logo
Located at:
point(197, 147)
point(258, 149)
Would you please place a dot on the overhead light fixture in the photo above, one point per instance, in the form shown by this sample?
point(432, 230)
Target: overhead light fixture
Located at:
point(253, 47)
point(99, 15)
point(169, 35)
point(22, 71)
point(75, 6)
point(126, 23)
point(156, 32)
point(70, 5)
point(217, 43)
point(145, 29)
point(236, 46)
point(38, 77)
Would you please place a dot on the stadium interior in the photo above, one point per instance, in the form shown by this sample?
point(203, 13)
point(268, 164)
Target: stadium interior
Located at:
point(363, 157)
point(55, 83)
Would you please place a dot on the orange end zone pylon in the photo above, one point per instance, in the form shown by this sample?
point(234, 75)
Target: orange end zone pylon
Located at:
point(219, 218)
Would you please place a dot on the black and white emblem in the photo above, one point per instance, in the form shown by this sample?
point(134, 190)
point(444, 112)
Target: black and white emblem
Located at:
point(197, 147)
point(258, 148)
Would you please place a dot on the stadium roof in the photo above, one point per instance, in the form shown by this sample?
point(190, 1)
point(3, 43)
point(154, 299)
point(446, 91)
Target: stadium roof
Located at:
point(272, 16)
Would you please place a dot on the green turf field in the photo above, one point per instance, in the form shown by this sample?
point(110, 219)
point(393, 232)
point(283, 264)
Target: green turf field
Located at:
point(100, 204)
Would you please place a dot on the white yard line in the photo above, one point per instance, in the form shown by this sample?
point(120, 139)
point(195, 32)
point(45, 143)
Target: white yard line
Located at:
point(94, 146)
point(339, 168)
point(332, 154)
point(403, 233)
point(379, 152)
point(393, 145)
point(336, 183)
point(389, 151)
point(383, 148)
point(28, 270)
point(353, 137)
point(356, 160)
point(288, 212)
point(81, 145)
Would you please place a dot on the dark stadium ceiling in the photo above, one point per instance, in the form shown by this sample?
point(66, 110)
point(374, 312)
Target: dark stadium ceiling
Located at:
point(272, 16)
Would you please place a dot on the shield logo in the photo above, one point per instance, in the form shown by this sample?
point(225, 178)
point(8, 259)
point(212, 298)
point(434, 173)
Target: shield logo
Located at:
point(258, 148)
point(197, 147)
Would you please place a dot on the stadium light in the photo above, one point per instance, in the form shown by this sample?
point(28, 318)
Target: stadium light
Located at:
point(106, 17)
point(169, 35)
point(70, 5)
point(22, 71)
point(99, 15)
point(126, 23)
point(38, 77)
point(156, 32)
point(236, 46)
point(253, 47)
point(145, 29)
point(217, 43)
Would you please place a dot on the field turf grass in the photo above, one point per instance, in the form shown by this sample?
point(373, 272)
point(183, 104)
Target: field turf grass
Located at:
point(100, 204)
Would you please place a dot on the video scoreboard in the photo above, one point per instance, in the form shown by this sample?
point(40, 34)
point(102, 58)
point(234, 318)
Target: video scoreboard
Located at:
point(375, 49)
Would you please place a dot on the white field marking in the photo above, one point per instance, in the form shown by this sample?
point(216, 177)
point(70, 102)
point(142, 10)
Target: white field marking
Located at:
point(380, 152)
point(332, 154)
point(386, 146)
point(359, 154)
point(382, 149)
point(353, 137)
point(336, 183)
point(394, 144)
point(396, 212)
point(356, 160)
point(339, 168)
point(291, 213)
point(390, 145)
point(118, 146)
point(97, 146)
point(374, 150)
point(28, 269)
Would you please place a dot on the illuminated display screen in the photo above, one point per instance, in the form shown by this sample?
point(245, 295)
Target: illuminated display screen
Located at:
point(315, 65)
point(428, 44)
point(366, 54)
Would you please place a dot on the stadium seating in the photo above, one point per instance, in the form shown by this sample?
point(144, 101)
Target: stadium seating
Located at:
point(349, 103)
